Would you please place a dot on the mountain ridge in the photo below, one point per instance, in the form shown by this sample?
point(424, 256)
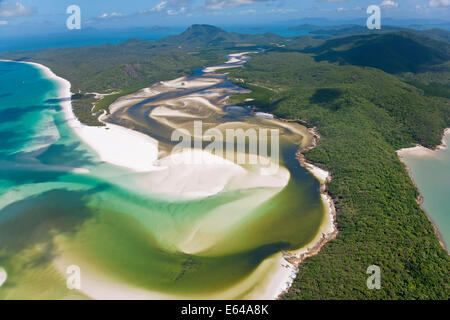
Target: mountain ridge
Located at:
point(205, 34)
point(394, 52)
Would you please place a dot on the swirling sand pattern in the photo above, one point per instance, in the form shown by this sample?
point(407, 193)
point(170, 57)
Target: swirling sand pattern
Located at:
point(144, 232)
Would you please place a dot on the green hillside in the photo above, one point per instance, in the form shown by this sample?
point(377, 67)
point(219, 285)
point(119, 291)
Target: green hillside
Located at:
point(391, 52)
point(117, 69)
point(363, 115)
point(368, 95)
point(211, 36)
point(127, 67)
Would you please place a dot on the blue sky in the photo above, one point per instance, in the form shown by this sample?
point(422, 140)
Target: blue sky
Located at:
point(51, 14)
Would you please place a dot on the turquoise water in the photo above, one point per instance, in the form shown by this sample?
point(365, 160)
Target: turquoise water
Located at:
point(431, 173)
point(114, 36)
point(52, 217)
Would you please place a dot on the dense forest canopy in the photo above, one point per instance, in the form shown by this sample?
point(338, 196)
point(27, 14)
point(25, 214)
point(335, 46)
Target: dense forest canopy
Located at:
point(368, 95)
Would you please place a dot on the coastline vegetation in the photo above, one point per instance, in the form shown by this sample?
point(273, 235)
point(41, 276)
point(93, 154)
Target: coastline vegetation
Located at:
point(117, 70)
point(363, 115)
point(127, 67)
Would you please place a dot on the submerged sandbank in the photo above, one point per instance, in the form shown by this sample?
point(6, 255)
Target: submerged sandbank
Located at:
point(282, 279)
point(141, 154)
point(114, 144)
point(235, 60)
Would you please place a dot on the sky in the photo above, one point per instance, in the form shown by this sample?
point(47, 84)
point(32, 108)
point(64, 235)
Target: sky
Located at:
point(49, 15)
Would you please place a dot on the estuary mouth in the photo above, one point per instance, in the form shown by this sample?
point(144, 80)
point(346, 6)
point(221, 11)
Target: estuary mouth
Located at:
point(164, 221)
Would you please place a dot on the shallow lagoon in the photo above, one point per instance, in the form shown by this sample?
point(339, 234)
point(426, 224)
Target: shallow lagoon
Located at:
point(130, 244)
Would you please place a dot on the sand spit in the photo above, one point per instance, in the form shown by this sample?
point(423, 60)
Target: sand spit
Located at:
point(283, 277)
point(235, 60)
point(133, 98)
point(138, 152)
point(184, 83)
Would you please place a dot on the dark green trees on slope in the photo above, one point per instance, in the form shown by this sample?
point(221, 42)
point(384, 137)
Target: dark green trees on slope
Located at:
point(127, 67)
point(391, 52)
point(363, 115)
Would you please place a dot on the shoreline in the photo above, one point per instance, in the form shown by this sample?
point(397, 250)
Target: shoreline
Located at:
point(296, 258)
point(421, 151)
point(281, 280)
point(104, 141)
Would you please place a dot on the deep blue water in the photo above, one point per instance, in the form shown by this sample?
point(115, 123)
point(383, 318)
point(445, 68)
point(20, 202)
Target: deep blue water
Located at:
point(81, 38)
point(90, 37)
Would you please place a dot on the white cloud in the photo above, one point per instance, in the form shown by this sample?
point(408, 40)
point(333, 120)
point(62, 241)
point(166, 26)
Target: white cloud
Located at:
point(158, 8)
point(340, 9)
point(112, 15)
point(389, 4)
point(439, 3)
point(170, 7)
point(249, 11)
point(12, 10)
point(282, 10)
point(172, 12)
point(222, 4)
point(3, 23)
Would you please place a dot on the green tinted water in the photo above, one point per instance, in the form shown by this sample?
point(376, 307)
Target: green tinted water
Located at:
point(123, 240)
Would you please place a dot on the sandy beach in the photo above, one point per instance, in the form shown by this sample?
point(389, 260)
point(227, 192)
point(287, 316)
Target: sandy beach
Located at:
point(114, 144)
point(133, 98)
point(183, 83)
point(420, 152)
point(328, 230)
point(3, 276)
point(98, 286)
point(283, 277)
point(138, 152)
point(235, 60)
point(127, 148)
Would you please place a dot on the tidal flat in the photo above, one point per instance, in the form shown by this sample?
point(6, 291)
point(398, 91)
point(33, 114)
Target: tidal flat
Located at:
point(111, 201)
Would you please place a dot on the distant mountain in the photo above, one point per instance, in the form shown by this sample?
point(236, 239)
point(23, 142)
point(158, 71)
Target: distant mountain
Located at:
point(345, 29)
point(437, 34)
point(201, 35)
point(361, 21)
point(392, 52)
point(198, 34)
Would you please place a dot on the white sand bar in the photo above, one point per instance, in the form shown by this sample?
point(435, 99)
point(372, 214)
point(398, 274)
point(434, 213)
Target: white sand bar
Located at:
point(114, 144)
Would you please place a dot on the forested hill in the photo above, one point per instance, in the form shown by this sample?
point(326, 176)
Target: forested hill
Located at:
point(127, 67)
point(420, 58)
point(207, 35)
point(392, 52)
point(363, 115)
